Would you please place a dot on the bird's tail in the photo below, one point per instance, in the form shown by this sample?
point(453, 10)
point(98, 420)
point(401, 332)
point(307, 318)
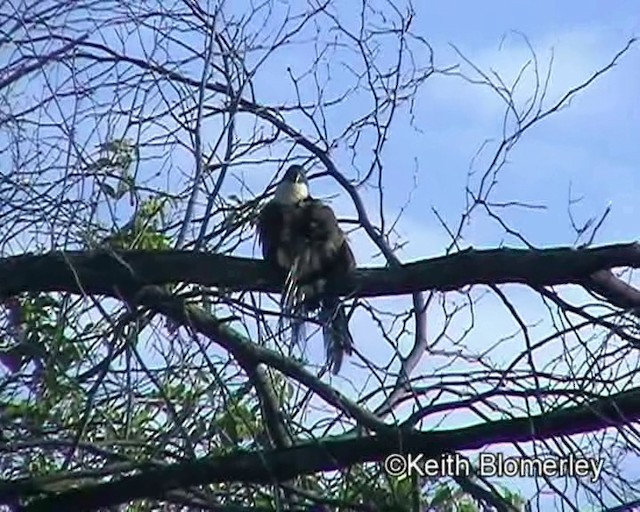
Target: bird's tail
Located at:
point(292, 305)
point(335, 331)
point(291, 292)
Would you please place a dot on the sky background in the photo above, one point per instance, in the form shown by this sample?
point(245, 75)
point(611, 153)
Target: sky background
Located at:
point(589, 151)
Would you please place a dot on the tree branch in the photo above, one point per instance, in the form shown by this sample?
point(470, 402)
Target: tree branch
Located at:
point(110, 273)
point(312, 457)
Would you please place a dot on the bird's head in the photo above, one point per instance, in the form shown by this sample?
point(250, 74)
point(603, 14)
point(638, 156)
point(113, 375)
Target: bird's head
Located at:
point(293, 187)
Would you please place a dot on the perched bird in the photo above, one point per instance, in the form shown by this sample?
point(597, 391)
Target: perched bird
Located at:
point(302, 241)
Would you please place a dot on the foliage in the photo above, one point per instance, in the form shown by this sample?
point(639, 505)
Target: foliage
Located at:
point(153, 126)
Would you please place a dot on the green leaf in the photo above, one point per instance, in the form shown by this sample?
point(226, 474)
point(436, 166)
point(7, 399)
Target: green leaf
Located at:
point(442, 495)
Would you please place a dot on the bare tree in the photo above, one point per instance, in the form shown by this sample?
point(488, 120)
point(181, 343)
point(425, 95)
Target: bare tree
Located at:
point(141, 360)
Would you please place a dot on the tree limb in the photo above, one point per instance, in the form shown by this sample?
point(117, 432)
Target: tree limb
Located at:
point(111, 273)
point(311, 457)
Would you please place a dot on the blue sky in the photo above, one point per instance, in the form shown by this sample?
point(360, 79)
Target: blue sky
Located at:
point(588, 151)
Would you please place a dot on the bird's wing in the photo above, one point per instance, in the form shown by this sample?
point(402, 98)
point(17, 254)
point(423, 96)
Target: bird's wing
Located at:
point(263, 227)
point(327, 238)
point(274, 233)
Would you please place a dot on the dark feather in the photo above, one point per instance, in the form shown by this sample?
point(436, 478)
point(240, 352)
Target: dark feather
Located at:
point(304, 244)
point(308, 231)
point(335, 332)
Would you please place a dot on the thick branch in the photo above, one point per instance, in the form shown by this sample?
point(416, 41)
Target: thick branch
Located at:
point(614, 290)
point(108, 273)
point(312, 457)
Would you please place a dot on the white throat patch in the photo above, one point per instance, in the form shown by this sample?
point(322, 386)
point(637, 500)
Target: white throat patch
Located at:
point(290, 193)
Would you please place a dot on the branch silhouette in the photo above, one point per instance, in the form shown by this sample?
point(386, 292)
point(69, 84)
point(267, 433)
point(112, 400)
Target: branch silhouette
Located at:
point(116, 273)
point(311, 457)
point(129, 274)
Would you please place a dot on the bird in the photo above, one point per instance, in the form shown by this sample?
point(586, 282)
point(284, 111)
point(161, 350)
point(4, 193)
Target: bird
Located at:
point(303, 243)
